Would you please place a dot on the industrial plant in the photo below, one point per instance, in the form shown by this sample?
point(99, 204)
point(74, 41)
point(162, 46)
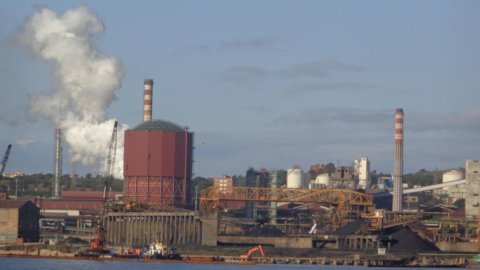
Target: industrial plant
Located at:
point(329, 208)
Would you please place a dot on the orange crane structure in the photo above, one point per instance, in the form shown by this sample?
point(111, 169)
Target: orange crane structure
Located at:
point(248, 256)
point(98, 242)
point(345, 201)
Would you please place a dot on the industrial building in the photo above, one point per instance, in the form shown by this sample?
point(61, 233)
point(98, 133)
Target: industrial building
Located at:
point(362, 170)
point(270, 207)
point(344, 177)
point(224, 183)
point(158, 156)
point(472, 176)
point(19, 221)
point(180, 227)
point(451, 194)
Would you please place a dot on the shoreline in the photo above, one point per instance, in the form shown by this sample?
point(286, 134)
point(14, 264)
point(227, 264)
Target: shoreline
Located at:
point(348, 258)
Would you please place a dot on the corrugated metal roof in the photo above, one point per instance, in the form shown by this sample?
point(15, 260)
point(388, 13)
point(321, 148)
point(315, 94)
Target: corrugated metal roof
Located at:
point(72, 204)
point(160, 125)
point(12, 203)
point(87, 195)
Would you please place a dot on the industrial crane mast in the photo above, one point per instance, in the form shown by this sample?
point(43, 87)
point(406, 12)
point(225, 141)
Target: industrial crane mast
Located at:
point(4, 161)
point(112, 150)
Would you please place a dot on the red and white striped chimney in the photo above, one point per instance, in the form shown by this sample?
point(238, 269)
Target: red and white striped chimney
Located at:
point(147, 100)
point(398, 163)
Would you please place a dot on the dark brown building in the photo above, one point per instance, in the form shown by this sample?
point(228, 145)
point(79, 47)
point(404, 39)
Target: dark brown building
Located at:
point(19, 221)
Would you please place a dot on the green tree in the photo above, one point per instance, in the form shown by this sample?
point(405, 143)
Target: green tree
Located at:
point(330, 168)
point(420, 178)
point(201, 183)
point(460, 203)
point(198, 184)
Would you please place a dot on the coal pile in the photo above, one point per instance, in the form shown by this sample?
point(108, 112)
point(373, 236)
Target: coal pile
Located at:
point(74, 241)
point(265, 230)
point(405, 239)
point(351, 228)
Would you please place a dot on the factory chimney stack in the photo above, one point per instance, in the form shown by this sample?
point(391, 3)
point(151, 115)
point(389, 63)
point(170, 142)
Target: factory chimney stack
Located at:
point(398, 163)
point(57, 170)
point(147, 100)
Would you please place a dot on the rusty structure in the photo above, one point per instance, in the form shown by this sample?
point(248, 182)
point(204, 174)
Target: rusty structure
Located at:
point(212, 197)
point(345, 203)
point(158, 157)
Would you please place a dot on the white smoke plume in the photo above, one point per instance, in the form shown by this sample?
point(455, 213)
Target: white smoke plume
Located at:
point(85, 82)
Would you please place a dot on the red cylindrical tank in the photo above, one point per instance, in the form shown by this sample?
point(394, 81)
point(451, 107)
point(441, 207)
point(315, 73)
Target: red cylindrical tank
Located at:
point(158, 164)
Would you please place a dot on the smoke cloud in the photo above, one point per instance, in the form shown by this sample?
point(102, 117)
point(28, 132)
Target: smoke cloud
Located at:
point(85, 82)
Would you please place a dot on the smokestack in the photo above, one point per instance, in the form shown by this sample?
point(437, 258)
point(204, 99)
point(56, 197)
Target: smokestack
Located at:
point(398, 162)
point(147, 100)
point(73, 183)
point(57, 170)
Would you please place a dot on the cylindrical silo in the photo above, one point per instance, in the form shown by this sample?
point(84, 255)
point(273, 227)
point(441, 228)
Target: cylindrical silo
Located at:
point(295, 178)
point(157, 160)
point(323, 180)
point(452, 175)
point(158, 163)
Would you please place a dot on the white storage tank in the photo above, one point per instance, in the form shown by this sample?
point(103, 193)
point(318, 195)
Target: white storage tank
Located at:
point(452, 175)
point(295, 178)
point(323, 179)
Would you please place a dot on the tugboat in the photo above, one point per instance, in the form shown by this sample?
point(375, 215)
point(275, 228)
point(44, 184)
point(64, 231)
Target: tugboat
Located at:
point(158, 250)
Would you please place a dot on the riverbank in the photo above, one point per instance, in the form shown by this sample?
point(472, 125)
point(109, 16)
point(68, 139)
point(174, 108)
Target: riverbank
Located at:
point(35, 252)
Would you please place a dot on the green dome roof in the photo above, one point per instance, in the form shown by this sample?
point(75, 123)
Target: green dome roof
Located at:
point(161, 125)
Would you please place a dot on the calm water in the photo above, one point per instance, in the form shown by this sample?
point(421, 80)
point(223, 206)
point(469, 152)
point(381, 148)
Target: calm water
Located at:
point(47, 264)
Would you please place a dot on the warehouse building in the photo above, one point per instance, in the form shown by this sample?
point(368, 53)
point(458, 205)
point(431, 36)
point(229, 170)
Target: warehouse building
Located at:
point(19, 221)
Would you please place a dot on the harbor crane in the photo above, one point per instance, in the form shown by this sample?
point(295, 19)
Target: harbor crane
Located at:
point(4, 161)
point(112, 151)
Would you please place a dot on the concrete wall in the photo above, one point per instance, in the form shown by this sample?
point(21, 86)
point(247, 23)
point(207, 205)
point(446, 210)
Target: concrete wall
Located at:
point(8, 225)
point(177, 228)
point(456, 247)
point(472, 176)
point(136, 228)
point(209, 228)
point(282, 242)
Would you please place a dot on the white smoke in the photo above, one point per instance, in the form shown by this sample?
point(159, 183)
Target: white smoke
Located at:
point(85, 82)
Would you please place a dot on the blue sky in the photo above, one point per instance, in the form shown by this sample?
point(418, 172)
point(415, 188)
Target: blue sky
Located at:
point(272, 84)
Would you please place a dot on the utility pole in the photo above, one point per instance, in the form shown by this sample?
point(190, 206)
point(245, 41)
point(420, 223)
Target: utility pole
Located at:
point(196, 198)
